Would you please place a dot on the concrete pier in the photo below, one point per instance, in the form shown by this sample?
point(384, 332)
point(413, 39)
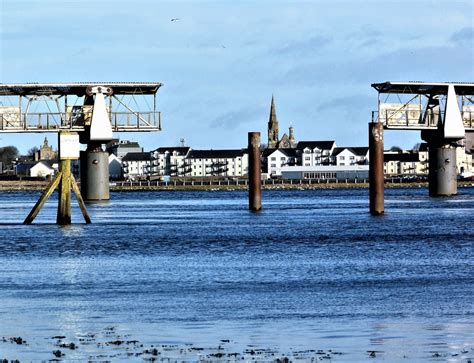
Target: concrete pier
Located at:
point(376, 172)
point(442, 170)
point(255, 178)
point(94, 174)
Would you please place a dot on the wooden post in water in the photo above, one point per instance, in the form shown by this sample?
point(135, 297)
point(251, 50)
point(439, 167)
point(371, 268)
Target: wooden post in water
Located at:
point(68, 150)
point(64, 198)
point(254, 174)
point(376, 174)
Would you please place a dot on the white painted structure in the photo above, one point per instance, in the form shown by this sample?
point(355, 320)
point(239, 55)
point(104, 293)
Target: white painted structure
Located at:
point(43, 169)
point(312, 153)
point(325, 172)
point(343, 156)
point(169, 161)
point(224, 163)
point(136, 165)
point(279, 158)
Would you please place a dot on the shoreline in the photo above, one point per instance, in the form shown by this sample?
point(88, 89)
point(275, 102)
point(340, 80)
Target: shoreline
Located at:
point(11, 186)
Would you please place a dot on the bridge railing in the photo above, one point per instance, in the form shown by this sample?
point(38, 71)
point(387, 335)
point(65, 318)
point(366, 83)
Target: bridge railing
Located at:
point(55, 121)
point(407, 119)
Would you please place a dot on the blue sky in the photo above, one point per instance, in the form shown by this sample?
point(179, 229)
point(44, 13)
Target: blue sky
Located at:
point(223, 60)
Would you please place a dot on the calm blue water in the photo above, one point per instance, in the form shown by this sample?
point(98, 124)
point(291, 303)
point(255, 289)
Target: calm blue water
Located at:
point(312, 271)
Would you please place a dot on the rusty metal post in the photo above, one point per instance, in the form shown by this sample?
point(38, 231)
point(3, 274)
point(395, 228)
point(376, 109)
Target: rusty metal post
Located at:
point(255, 177)
point(376, 174)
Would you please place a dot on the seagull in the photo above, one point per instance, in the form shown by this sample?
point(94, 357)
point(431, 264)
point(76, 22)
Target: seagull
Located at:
point(175, 19)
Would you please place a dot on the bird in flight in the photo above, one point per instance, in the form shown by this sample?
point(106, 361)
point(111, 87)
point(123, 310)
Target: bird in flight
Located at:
point(175, 19)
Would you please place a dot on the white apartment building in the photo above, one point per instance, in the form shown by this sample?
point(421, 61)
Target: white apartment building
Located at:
point(224, 163)
point(169, 161)
point(343, 156)
point(311, 153)
point(278, 158)
point(136, 165)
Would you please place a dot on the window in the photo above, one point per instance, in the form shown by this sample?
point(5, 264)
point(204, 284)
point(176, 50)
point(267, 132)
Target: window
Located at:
point(283, 158)
point(273, 158)
point(341, 157)
point(307, 157)
point(273, 165)
point(351, 157)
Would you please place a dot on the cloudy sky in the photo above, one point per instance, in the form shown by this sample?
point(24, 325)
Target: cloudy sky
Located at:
point(222, 60)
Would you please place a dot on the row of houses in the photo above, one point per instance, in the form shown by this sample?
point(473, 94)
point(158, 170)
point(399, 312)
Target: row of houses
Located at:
point(187, 162)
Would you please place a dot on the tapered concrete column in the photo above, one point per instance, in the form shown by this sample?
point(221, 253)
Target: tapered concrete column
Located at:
point(95, 174)
point(255, 173)
point(376, 174)
point(442, 170)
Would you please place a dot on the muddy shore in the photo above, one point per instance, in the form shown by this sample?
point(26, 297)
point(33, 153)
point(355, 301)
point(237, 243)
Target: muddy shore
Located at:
point(41, 185)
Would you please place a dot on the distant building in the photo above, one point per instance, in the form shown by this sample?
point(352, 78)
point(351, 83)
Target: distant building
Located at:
point(38, 169)
point(45, 152)
point(416, 162)
point(275, 159)
point(136, 165)
point(312, 153)
point(169, 161)
point(325, 172)
point(115, 167)
point(223, 163)
point(120, 148)
point(274, 142)
point(350, 156)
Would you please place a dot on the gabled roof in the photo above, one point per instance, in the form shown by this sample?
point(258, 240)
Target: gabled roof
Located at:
point(323, 145)
point(356, 150)
point(137, 157)
point(404, 157)
point(216, 154)
point(179, 149)
point(287, 152)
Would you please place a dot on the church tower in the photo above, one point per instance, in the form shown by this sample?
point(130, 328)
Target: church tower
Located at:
point(272, 127)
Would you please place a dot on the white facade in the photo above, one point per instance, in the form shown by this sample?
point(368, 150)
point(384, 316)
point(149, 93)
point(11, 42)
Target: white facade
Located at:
point(169, 161)
point(325, 172)
point(312, 153)
point(42, 169)
point(278, 159)
point(136, 165)
point(224, 163)
point(350, 156)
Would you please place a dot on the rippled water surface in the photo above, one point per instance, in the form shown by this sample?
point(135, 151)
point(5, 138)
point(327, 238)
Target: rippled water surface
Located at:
point(312, 271)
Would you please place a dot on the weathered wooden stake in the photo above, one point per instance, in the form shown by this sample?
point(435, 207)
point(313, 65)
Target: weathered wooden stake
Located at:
point(64, 198)
point(44, 197)
point(68, 150)
point(80, 200)
point(255, 178)
point(376, 174)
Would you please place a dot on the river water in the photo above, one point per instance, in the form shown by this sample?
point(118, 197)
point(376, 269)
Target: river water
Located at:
point(196, 276)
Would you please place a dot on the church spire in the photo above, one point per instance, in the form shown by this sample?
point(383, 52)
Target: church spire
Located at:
point(272, 127)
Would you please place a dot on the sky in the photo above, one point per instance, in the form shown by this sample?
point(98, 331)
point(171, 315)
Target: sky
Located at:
point(222, 61)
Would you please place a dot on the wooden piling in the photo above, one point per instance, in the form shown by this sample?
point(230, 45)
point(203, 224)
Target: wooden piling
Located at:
point(376, 173)
point(64, 197)
point(254, 174)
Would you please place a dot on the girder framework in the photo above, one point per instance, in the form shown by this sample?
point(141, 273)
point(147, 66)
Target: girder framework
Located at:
point(52, 107)
point(421, 106)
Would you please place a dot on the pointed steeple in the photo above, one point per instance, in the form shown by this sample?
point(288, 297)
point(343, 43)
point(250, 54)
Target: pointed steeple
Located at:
point(272, 127)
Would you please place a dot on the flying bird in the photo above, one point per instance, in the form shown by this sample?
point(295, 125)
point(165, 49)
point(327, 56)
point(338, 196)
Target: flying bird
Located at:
point(175, 19)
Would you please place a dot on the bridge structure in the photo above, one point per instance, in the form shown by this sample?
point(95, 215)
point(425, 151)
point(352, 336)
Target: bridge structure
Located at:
point(85, 113)
point(442, 112)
